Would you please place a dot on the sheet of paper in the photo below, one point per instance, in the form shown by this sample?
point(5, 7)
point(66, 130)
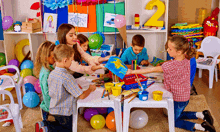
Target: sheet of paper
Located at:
point(83, 82)
point(93, 97)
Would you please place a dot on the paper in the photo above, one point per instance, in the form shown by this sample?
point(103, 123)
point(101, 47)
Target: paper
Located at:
point(78, 19)
point(83, 82)
point(109, 20)
point(93, 96)
point(50, 22)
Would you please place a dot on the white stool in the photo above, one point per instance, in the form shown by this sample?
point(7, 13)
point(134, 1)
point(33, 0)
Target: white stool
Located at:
point(95, 100)
point(166, 102)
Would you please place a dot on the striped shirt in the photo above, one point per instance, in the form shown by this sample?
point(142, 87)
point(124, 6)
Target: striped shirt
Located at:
point(177, 79)
point(63, 91)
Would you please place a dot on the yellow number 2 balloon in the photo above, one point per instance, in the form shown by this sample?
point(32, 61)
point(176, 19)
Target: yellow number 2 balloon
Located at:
point(153, 21)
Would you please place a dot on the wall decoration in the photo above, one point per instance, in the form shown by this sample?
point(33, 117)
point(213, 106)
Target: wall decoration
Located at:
point(78, 19)
point(50, 22)
point(109, 20)
point(54, 4)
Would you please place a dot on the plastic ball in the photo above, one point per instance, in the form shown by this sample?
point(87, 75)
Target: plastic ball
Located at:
point(27, 64)
point(138, 119)
point(95, 41)
point(89, 113)
point(102, 110)
point(31, 99)
point(110, 121)
point(110, 109)
point(3, 71)
point(26, 72)
point(2, 59)
point(29, 87)
point(97, 122)
point(30, 79)
point(37, 86)
point(13, 62)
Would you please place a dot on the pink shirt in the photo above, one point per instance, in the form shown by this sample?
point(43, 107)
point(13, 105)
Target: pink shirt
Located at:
point(91, 60)
point(177, 79)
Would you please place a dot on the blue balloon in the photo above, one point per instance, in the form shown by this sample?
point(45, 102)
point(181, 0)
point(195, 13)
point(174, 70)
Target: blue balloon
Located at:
point(110, 109)
point(27, 64)
point(29, 87)
point(31, 99)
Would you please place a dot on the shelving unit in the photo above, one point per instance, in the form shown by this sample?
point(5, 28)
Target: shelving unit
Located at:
point(154, 40)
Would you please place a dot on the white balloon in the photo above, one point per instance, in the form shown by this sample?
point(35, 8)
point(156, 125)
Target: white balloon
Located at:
point(138, 119)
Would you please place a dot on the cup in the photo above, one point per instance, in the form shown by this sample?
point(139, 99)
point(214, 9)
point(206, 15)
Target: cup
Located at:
point(108, 86)
point(143, 95)
point(116, 91)
point(157, 95)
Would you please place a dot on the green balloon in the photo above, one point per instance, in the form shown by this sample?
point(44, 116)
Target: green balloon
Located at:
point(2, 59)
point(95, 41)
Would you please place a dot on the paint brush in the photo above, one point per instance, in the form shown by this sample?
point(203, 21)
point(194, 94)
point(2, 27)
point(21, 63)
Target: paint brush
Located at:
point(103, 93)
point(138, 81)
point(119, 54)
point(126, 97)
point(108, 95)
point(133, 97)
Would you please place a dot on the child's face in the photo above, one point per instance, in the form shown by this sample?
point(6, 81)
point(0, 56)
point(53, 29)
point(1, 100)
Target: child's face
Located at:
point(171, 49)
point(68, 61)
point(137, 49)
point(51, 58)
point(85, 46)
point(71, 37)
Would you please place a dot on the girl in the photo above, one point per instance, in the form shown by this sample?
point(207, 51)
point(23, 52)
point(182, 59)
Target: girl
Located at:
point(84, 43)
point(42, 68)
point(177, 81)
point(67, 35)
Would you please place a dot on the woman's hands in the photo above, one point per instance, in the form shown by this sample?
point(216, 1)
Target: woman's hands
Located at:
point(102, 59)
point(96, 67)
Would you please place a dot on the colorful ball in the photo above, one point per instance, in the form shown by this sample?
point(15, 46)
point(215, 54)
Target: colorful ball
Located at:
point(26, 72)
point(97, 122)
point(138, 119)
point(29, 87)
point(3, 71)
point(27, 64)
point(13, 62)
point(89, 113)
point(95, 41)
point(102, 110)
point(37, 86)
point(31, 99)
point(30, 79)
point(110, 121)
point(110, 109)
point(2, 59)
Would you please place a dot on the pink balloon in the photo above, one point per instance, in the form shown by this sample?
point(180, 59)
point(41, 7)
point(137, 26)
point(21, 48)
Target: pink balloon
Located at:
point(30, 79)
point(120, 21)
point(37, 86)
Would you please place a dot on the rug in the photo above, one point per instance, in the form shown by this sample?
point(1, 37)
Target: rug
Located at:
point(157, 121)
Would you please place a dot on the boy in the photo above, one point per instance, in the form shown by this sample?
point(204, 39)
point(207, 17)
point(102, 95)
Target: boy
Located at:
point(63, 91)
point(137, 51)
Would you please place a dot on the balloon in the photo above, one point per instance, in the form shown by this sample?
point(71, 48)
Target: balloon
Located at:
point(26, 72)
point(30, 79)
point(9, 74)
point(95, 41)
point(2, 59)
point(97, 122)
point(29, 87)
point(7, 22)
point(138, 119)
point(110, 121)
point(120, 21)
point(13, 62)
point(102, 110)
point(27, 64)
point(31, 99)
point(37, 86)
point(110, 109)
point(3, 71)
point(89, 113)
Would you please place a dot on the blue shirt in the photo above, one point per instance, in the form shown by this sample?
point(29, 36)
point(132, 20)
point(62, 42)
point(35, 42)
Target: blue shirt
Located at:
point(83, 62)
point(129, 55)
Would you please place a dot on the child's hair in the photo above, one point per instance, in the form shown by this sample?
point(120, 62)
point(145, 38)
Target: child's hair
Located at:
point(42, 55)
point(182, 44)
point(50, 16)
point(138, 40)
point(61, 33)
point(62, 51)
point(82, 39)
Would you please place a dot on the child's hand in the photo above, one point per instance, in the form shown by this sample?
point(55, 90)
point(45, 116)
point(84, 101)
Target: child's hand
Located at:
point(129, 72)
point(92, 87)
point(144, 63)
point(101, 59)
point(96, 67)
point(159, 64)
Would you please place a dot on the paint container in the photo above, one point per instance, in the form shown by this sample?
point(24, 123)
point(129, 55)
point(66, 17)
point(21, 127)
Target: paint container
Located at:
point(157, 95)
point(108, 86)
point(143, 95)
point(116, 91)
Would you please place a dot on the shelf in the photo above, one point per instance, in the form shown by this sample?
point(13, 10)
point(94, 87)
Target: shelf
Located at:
point(146, 31)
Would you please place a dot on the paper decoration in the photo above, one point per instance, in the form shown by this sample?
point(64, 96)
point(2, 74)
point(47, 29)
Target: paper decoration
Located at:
point(116, 66)
point(50, 22)
point(77, 19)
point(109, 20)
point(54, 4)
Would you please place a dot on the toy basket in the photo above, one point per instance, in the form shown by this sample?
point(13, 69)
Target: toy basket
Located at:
point(131, 83)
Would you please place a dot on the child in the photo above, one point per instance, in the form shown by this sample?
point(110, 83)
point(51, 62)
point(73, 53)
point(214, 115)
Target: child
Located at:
point(63, 91)
point(67, 35)
point(177, 81)
point(42, 68)
point(137, 51)
point(84, 43)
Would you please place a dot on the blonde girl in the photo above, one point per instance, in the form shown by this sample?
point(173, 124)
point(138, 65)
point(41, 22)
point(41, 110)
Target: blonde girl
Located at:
point(177, 81)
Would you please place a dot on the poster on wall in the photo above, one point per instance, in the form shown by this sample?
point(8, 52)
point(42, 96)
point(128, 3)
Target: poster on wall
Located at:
point(78, 19)
point(109, 20)
point(50, 22)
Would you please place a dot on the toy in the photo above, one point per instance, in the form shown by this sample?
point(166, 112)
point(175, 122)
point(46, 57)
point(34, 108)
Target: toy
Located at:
point(131, 83)
point(3, 114)
point(14, 62)
point(97, 122)
point(89, 113)
point(30, 79)
point(31, 26)
point(27, 64)
point(19, 49)
point(202, 15)
point(26, 72)
point(29, 87)
point(37, 86)
point(7, 23)
point(136, 20)
point(17, 26)
point(102, 110)
point(31, 99)
point(110, 121)
point(95, 41)
point(138, 119)
point(2, 59)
